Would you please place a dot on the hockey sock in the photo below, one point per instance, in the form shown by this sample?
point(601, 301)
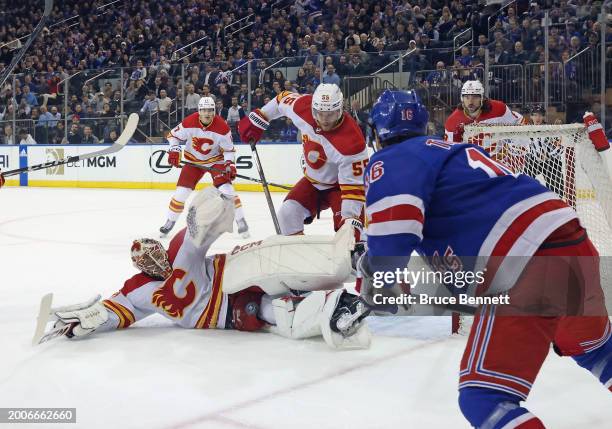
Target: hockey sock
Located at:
point(599, 362)
point(238, 206)
point(177, 203)
point(492, 409)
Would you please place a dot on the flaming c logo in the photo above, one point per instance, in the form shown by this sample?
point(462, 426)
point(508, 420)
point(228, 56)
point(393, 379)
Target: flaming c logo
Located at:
point(166, 299)
point(314, 154)
point(202, 145)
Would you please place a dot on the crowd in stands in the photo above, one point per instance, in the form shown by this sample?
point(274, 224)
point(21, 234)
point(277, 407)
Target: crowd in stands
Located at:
point(173, 52)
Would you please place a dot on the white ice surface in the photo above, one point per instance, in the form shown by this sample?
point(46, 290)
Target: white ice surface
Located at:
point(75, 243)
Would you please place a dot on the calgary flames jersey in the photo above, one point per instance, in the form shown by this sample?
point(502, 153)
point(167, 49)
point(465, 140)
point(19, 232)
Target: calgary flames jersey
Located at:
point(331, 158)
point(498, 113)
point(203, 144)
point(192, 296)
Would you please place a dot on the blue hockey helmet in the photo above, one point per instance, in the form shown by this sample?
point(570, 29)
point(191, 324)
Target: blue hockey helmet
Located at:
point(399, 112)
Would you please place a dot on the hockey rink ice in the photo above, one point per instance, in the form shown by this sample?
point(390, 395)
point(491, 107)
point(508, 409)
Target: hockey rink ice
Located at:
point(76, 243)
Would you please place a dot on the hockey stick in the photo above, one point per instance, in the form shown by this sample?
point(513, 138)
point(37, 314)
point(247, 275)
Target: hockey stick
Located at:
point(33, 36)
point(126, 135)
point(265, 187)
point(216, 170)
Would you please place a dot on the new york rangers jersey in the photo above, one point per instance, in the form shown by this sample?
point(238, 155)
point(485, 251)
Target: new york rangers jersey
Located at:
point(331, 158)
point(203, 144)
point(497, 113)
point(452, 202)
point(192, 296)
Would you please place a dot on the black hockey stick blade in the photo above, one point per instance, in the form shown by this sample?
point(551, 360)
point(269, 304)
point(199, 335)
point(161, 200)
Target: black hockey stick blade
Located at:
point(126, 135)
point(252, 179)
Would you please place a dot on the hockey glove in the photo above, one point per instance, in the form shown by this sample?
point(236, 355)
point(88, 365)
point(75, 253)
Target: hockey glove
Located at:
point(357, 226)
point(230, 170)
point(596, 132)
point(252, 126)
point(81, 319)
point(174, 156)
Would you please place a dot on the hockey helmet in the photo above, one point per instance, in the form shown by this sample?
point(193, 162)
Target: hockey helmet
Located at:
point(150, 257)
point(472, 87)
point(206, 103)
point(327, 102)
point(396, 113)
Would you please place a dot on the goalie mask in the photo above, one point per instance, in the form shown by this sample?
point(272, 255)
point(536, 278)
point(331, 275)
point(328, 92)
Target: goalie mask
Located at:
point(150, 257)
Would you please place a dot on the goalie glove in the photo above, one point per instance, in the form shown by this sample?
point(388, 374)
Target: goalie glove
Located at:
point(174, 156)
point(81, 319)
point(596, 132)
point(252, 126)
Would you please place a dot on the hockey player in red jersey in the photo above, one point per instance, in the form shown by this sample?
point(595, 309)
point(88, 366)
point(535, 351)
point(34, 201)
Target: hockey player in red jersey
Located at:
point(476, 108)
point(335, 156)
point(208, 141)
point(246, 289)
point(451, 202)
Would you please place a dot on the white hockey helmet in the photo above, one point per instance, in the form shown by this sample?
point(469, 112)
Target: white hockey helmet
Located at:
point(472, 87)
point(327, 98)
point(206, 103)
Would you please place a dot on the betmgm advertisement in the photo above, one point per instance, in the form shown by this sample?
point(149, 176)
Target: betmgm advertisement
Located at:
point(138, 166)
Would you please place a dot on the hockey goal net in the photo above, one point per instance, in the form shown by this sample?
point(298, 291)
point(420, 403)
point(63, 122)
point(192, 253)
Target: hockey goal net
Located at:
point(563, 159)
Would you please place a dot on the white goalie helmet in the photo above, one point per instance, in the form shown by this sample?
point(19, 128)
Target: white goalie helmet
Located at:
point(472, 87)
point(327, 102)
point(206, 103)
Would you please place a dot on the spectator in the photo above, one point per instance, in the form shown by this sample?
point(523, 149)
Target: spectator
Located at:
point(56, 134)
point(25, 138)
point(29, 97)
point(289, 133)
point(191, 99)
point(359, 115)
point(74, 135)
point(224, 95)
point(112, 137)
point(7, 135)
point(330, 75)
point(520, 55)
point(257, 100)
point(150, 105)
point(88, 136)
point(164, 104)
point(233, 115)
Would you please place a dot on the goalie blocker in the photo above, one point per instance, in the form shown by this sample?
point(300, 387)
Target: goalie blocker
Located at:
point(250, 288)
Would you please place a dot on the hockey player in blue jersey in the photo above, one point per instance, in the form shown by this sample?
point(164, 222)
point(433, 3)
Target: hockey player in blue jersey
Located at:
point(452, 202)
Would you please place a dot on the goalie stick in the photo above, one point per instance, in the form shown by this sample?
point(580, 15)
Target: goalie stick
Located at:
point(252, 179)
point(33, 36)
point(126, 135)
point(264, 183)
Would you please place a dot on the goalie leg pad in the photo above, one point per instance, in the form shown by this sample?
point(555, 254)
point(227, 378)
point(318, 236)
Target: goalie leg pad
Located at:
point(210, 215)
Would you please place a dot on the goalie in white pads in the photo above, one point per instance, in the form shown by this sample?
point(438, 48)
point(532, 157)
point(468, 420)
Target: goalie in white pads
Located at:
point(246, 289)
point(208, 142)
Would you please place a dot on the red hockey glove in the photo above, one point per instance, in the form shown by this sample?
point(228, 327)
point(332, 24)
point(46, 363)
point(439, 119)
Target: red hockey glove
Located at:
point(1, 179)
point(252, 126)
point(230, 170)
point(596, 132)
point(174, 156)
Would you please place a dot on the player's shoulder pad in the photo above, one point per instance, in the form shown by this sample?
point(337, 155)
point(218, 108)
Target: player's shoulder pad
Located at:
point(498, 108)
point(454, 118)
point(191, 121)
point(347, 138)
point(284, 94)
point(134, 282)
point(218, 125)
point(303, 108)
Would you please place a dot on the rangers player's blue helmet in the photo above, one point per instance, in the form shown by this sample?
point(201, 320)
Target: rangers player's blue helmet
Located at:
point(396, 113)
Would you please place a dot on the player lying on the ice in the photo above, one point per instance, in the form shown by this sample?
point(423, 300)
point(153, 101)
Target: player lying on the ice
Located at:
point(451, 202)
point(247, 289)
